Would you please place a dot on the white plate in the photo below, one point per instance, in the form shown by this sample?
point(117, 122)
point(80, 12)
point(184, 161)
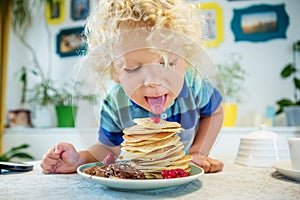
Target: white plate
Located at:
point(284, 167)
point(127, 184)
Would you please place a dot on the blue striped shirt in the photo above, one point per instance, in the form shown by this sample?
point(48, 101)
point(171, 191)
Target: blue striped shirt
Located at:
point(197, 98)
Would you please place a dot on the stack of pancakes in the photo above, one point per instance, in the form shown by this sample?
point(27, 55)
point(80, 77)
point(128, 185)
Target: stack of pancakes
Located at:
point(152, 147)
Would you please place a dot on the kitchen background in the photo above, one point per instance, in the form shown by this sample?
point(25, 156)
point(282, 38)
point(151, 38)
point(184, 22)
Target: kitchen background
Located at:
point(263, 59)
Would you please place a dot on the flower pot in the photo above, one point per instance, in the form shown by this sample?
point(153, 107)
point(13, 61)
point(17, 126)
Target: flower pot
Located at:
point(43, 116)
point(230, 114)
point(292, 114)
point(66, 115)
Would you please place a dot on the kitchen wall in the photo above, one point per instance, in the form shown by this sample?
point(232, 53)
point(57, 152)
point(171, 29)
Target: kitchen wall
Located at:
point(263, 61)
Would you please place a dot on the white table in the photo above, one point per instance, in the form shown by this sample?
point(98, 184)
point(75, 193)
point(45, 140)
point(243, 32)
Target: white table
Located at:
point(234, 182)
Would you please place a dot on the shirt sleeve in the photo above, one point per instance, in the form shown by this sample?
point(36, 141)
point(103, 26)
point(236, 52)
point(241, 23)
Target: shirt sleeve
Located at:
point(207, 97)
point(213, 103)
point(109, 133)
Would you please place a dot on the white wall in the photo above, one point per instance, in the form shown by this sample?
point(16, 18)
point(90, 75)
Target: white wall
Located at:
point(262, 60)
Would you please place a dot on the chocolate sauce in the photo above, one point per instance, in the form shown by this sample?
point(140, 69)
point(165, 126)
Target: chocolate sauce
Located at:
point(117, 170)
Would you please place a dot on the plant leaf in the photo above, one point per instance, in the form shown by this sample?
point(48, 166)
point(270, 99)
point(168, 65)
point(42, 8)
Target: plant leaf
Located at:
point(284, 103)
point(297, 83)
point(15, 149)
point(20, 155)
point(288, 70)
point(296, 46)
point(4, 158)
point(13, 152)
point(22, 146)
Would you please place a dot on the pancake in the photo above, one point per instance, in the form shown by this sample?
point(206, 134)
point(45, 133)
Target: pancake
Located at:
point(154, 168)
point(153, 175)
point(149, 123)
point(163, 152)
point(153, 147)
point(149, 137)
point(182, 160)
point(163, 161)
point(129, 155)
point(137, 129)
point(139, 143)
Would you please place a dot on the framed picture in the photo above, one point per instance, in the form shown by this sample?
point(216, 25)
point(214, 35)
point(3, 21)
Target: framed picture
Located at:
point(213, 27)
point(55, 11)
point(19, 118)
point(260, 23)
point(80, 9)
point(69, 42)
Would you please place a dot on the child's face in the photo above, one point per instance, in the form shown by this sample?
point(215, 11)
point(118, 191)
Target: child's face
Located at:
point(148, 80)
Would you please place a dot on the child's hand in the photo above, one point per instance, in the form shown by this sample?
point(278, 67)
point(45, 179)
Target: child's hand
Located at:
point(62, 158)
point(208, 164)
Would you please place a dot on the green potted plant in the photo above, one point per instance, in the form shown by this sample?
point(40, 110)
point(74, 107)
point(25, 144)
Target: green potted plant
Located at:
point(291, 107)
point(16, 152)
point(230, 80)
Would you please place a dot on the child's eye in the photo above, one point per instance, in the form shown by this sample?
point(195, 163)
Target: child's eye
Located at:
point(171, 64)
point(132, 70)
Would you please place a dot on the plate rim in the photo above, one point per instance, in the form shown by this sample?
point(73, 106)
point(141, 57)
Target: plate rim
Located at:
point(288, 172)
point(130, 184)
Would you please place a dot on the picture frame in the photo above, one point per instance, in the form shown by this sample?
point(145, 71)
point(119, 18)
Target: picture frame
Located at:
point(70, 42)
point(260, 23)
point(213, 29)
point(80, 9)
point(19, 118)
point(55, 12)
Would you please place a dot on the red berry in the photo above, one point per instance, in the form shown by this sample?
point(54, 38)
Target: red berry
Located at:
point(174, 173)
point(164, 173)
point(156, 120)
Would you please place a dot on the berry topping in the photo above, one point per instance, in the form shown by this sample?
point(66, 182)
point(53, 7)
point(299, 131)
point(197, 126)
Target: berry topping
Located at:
point(156, 120)
point(174, 173)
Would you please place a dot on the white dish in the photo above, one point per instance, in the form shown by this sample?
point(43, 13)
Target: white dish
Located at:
point(263, 156)
point(264, 153)
point(126, 184)
point(284, 167)
point(254, 162)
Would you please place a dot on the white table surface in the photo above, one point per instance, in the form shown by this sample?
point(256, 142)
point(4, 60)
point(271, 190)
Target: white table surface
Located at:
point(234, 182)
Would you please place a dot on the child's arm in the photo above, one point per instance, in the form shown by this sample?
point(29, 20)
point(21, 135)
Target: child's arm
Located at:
point(63, 157)
point(208, 131)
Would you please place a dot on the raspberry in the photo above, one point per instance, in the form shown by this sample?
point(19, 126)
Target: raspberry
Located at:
point(164, 173)
point(156, 120)
point(174, 173)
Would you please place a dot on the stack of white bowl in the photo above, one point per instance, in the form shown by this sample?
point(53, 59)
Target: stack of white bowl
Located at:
point(262, 148)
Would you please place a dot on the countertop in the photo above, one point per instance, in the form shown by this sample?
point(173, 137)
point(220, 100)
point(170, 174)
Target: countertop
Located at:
point(234, 182)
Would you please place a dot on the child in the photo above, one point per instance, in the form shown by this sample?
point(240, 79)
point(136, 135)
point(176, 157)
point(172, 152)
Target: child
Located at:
point(153, 78)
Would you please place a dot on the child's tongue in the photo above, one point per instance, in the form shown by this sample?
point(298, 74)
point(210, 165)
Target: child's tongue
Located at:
point(157, 104)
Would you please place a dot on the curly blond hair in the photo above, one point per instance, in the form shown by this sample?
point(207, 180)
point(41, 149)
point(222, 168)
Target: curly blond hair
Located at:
point(109, 19)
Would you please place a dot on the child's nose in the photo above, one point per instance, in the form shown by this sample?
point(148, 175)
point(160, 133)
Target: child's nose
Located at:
point(152, 77)
point(151, 84)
